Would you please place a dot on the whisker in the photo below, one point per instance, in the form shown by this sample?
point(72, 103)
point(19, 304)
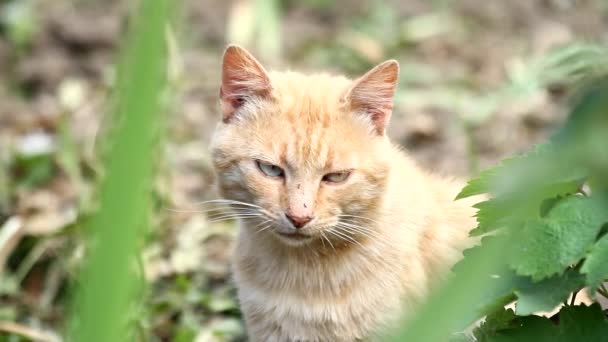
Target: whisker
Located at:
point(263, 228)
point(345, 237)
point(210, 210)
point(234, 213)
point(328, 240)
point(372, 235)
point(261, 223)
point(233, 217)
point(359, 229)
point(359, 217)
point(352, 232)
point(232, 202)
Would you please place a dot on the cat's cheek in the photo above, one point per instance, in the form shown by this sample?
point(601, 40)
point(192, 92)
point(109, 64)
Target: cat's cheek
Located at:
point(231, 188)
point(262, 190)
point(360, 197)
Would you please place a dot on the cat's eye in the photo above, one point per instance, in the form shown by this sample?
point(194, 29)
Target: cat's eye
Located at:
point(336, 177)
point(270, 170)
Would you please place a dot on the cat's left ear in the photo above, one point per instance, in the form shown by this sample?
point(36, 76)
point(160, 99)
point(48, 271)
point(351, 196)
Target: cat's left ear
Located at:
point(243, 77)
point(373, 93)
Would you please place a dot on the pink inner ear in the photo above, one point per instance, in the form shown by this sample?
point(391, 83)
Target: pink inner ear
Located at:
point(242, 77)
point(379, 118)
point(230, 104)
point(373, 93)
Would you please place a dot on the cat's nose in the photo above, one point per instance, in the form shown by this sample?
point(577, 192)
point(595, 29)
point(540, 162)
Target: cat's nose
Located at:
point(298, 221)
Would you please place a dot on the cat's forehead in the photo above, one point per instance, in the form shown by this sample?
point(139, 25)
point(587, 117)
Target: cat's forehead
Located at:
point(309, 97)
point(309, 129)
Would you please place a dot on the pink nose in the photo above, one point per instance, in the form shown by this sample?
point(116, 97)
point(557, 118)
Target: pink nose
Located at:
point(299, 221)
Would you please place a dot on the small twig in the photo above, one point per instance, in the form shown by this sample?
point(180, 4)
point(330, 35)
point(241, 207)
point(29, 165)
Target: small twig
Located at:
point(25, 331)
point(11, 233)
point(573, 297)
point(602, 290)
point(584, 190)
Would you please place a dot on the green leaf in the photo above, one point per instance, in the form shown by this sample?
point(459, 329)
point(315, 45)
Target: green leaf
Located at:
point(511, 211)
point(504, 286)
point(505, 326)
point(596, 265)
point(490, 216)
point(500, 281)
point(547, 246)
point(455, 305)
point(547, 294)
point(488, 179)
point(35, 171)
point(500, 320)
point(484, 183)
point(576, 323)
point(583, 323)
point(582, 141)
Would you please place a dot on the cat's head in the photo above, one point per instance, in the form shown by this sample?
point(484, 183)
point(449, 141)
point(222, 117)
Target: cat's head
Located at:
point(309, 152)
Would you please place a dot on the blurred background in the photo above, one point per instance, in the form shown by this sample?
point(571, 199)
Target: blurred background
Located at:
point(480, 80)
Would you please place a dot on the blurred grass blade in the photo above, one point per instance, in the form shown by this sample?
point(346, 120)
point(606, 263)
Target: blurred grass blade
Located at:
point(269, 30)
point(105, 300)
point(241, 23)
point(256, 23)
point(457, 304)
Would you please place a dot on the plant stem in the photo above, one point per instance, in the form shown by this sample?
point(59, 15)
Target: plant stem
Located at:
point(573, 297)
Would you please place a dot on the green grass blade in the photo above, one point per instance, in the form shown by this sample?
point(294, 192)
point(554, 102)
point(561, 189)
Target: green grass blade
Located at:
point(106, 297)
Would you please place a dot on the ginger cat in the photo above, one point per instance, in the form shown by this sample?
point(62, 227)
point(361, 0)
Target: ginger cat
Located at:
point(340, 231)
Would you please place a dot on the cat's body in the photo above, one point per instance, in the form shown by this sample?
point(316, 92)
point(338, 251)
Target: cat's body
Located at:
point(341, 232)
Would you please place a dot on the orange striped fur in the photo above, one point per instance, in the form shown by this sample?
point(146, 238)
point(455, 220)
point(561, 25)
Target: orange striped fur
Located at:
point(332, 282)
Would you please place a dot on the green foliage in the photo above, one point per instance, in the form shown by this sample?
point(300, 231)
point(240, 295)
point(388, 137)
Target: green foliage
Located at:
point(34, 170)
point(542, 240)
point(596, 264)
point(552, 228)
point(576, 323)
point(504, 325)
point(18, 18)
point(548, 245)
point(546, 294)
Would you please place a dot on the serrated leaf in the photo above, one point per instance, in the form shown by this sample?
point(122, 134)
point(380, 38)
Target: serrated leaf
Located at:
point(484, 182)
point(490, 216)
point(505, 326)
point(547, 294)
point(462, 337)
point(504, 286)
point(477, 186)
point(501, 282)
point(511, 211)
point(596, 265)
point(499, 320)
point(547, 246)
point(510, 174)
point(583, 323)
point(582, 141)
point(576, 323)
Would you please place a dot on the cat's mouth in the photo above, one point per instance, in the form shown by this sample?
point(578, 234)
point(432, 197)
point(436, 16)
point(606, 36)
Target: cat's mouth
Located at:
point(294, 237)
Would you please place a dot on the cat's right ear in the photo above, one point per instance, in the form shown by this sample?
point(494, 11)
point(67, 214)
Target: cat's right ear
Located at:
point(373, 94)
point(243, 77)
